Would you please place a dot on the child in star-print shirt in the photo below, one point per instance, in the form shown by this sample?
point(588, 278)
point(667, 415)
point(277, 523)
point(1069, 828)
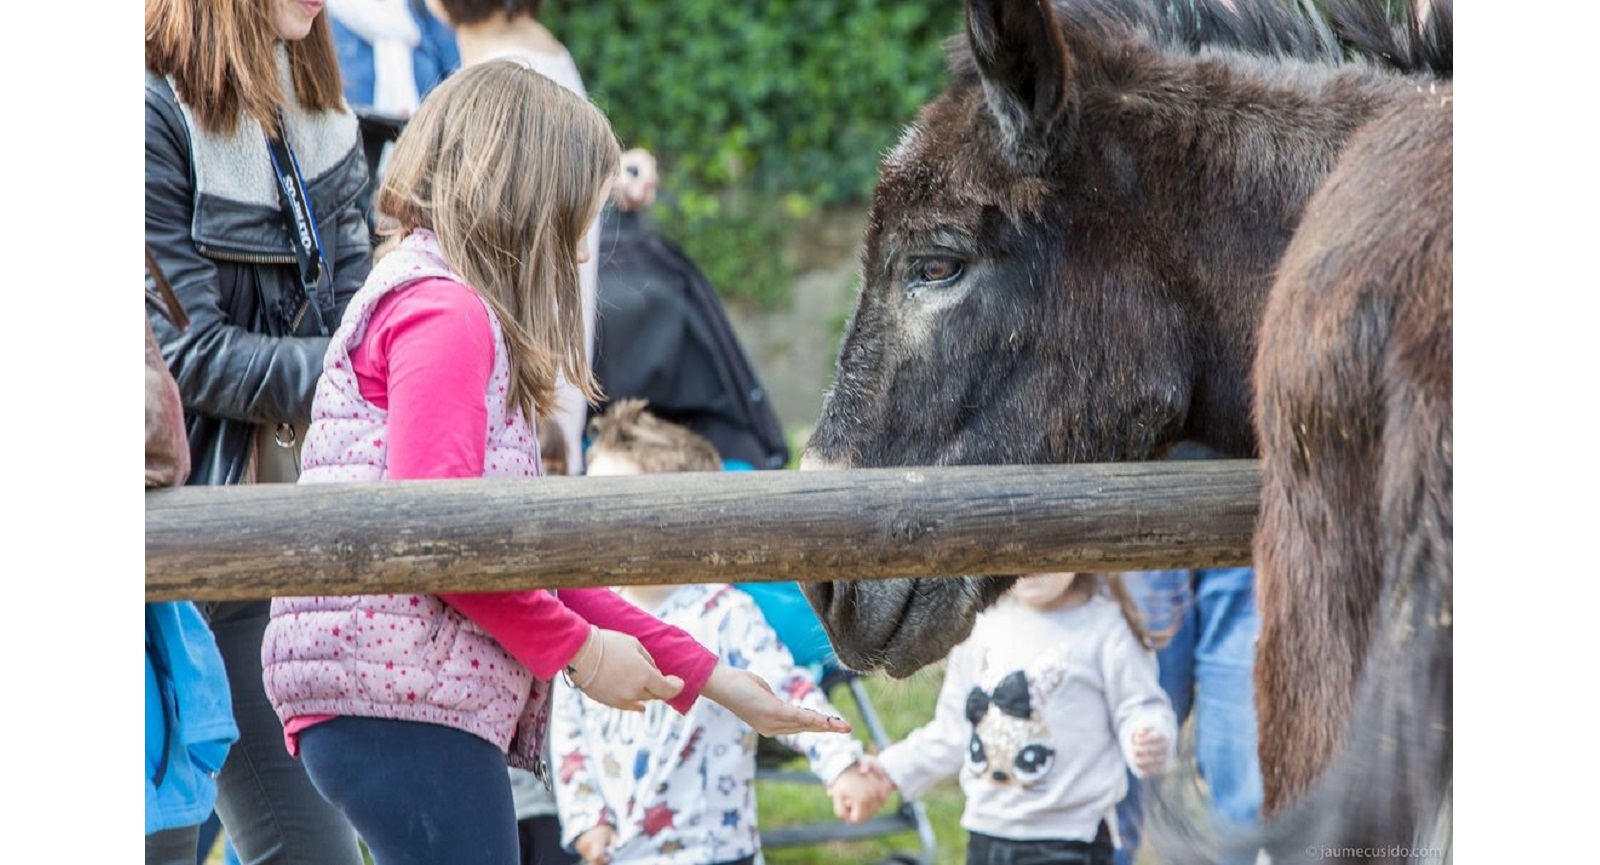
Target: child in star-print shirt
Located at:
point(656, 786)
point(661, 787)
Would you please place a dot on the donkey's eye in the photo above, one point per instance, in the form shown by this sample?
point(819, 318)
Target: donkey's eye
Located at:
point(933, 271)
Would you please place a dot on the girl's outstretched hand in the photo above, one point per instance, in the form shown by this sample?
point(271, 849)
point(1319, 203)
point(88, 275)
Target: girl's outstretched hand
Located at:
point(750, 697)
point(613, 668)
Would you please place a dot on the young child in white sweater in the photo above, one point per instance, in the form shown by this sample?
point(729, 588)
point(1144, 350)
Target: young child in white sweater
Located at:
point(1042, 708)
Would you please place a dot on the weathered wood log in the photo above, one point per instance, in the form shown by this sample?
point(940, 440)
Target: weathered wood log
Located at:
point(256, 541)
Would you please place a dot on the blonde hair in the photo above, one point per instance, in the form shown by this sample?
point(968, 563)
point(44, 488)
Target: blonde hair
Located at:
point(627, 430)
point(508, 169)
point(220, 54)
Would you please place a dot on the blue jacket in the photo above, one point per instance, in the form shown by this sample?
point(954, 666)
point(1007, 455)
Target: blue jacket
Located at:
point(435, 57)
point(188, 716)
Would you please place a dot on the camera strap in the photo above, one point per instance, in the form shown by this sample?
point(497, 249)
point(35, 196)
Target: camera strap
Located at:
point(313, 264)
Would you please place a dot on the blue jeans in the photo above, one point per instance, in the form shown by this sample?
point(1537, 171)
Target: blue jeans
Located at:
point(419, 794)
point(266, 802)
point(1206, 669)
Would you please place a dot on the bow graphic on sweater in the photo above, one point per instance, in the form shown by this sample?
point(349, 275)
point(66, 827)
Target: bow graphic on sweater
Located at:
point(1010, 741)
point(1010, 697)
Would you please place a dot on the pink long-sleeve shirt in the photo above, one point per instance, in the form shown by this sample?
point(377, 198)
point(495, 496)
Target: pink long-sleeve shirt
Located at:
point(426, 358)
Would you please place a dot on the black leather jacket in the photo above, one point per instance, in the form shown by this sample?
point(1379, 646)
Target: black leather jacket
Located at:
point(213, 221)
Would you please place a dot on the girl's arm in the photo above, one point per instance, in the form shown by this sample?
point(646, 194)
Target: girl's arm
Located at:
point(533, 626)
point(1134, 695)
point(674, 651)
point(740, 691)
point(426, 358)
point(935, 751)
point(748, 641)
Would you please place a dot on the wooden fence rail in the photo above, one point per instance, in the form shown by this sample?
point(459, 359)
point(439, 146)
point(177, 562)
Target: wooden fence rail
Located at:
point(256, 541)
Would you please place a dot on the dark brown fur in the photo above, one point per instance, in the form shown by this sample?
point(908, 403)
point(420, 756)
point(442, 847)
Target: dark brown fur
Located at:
point(1113, 193)
point(1354, 415)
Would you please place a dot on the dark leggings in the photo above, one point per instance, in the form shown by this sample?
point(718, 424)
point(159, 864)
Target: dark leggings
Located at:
point(417, 793)
point(988, 850)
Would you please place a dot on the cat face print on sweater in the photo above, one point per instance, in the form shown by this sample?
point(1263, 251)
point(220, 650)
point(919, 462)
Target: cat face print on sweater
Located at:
point(1011, 743)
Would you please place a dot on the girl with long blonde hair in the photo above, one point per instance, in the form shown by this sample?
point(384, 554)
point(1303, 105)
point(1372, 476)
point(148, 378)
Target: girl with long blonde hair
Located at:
point(406, 709)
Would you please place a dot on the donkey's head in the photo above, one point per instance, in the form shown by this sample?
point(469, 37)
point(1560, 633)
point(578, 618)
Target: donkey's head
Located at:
point(990, 263)
point(1065, 261)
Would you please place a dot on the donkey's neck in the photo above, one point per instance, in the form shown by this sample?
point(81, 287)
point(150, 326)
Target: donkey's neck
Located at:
point(1260, 135)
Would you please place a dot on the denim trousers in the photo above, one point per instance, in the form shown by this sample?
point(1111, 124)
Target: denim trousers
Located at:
point(1207, 670)
point(988, 850)
point(174, 846)
point(267, 804)
point(419, 793)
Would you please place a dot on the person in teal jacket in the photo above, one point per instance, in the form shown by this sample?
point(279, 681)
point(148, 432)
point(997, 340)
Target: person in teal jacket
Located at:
point(188, 728)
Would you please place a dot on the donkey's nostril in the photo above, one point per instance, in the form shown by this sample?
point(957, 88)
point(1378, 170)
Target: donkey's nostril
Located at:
point(820, 595)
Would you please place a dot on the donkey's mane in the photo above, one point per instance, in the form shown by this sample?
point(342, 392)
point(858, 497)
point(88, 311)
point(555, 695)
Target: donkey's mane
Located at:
point(1361, 30)
point(1421, 41)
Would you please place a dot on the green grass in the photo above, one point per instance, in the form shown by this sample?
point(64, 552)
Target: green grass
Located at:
point(902, 706)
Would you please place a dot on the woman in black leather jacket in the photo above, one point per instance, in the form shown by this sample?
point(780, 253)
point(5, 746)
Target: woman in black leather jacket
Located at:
point(220, 200)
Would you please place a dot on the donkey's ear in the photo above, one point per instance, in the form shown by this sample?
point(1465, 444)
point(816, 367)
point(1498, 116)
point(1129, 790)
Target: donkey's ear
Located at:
point(1027, 73)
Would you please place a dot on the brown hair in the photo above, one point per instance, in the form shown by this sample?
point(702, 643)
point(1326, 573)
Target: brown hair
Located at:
point(508, 169)
point(654, 445)
point(221, 56)
point(1112, 585)
point(473, 11)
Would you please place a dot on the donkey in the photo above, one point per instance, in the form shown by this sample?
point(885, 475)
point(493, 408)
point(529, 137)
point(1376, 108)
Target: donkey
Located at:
point(1122, 226)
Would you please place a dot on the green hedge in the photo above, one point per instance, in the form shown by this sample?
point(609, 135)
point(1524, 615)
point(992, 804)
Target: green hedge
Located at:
point(759, 113)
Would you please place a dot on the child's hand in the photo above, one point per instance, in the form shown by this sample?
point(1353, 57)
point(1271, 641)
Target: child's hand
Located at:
point(860, 790)
point(595, 845)
point(635, 188)
point(750, 697)
point(613, 668)
point(1149, 752)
